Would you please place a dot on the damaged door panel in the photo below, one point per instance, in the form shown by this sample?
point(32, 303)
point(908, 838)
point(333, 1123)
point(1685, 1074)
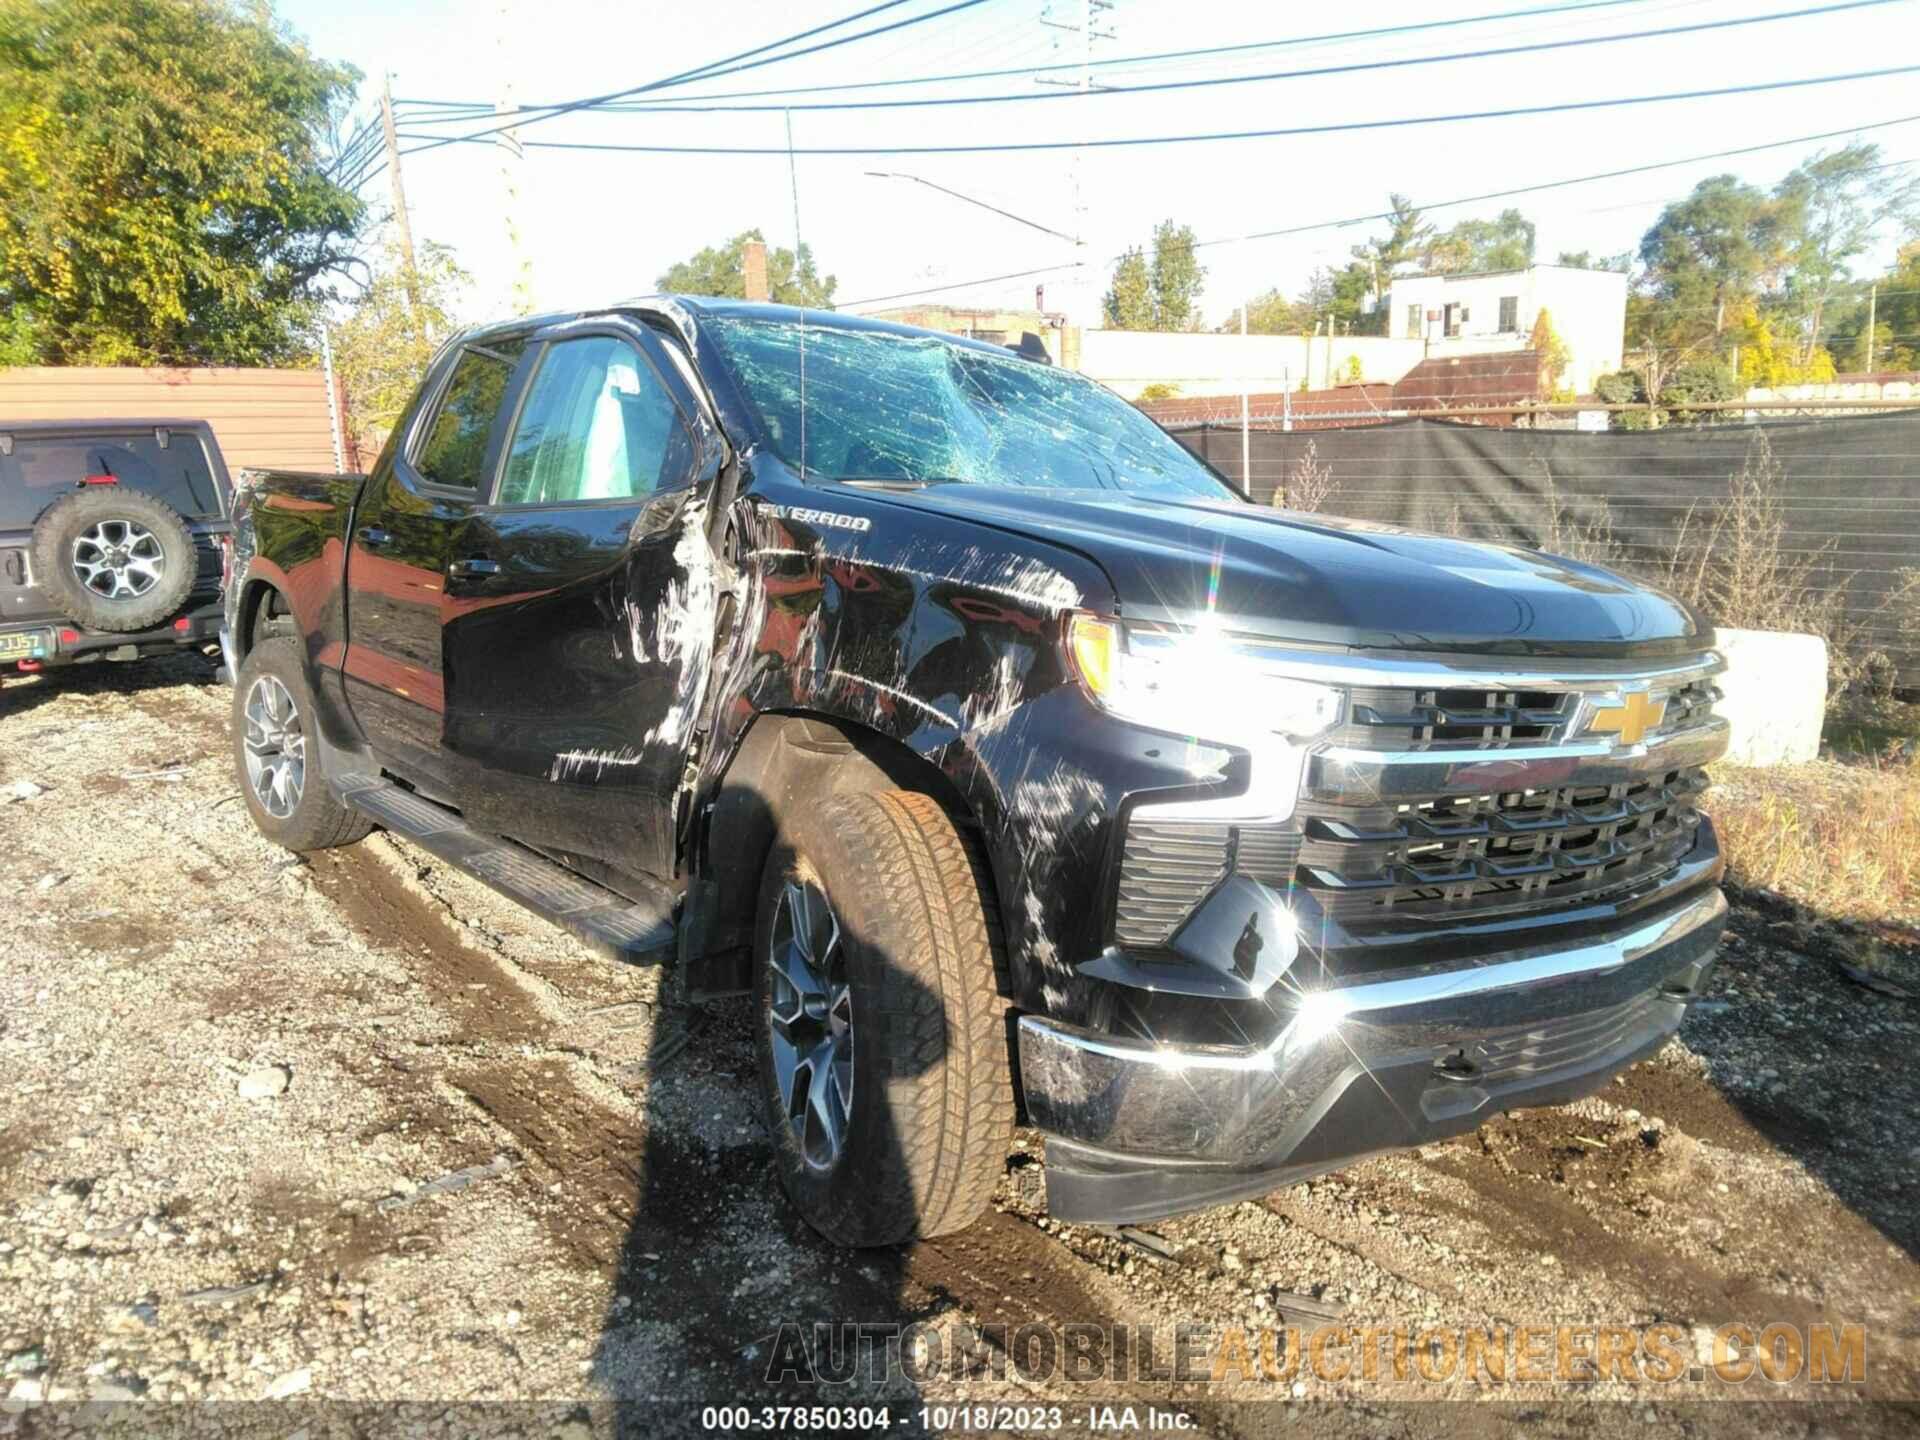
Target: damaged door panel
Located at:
point(577, 642)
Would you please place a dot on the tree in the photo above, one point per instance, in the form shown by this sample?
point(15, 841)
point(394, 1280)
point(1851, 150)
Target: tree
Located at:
point(1552, 350)
point(1406, 239)
point(1158, 290)
point(1837, 205)
point(1504, 243)
point(1587, 260)
point(1726, 242)
point(166, 197)
point(381, 349)
point(1896, 315)
point(1268, 314)
point(1129, 302)
point(720, 271)
point(1177, 278)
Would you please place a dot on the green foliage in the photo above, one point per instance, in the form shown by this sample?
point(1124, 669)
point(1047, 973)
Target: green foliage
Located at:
point(1702, 382)
point(1504, 243)
point(1838, 204)
point(166, 200)
point(1177, 278)
point(1129, 302)
point(1352, 373)
point(1159, 290)
point(1159, 390)
point(1587, 260)
point(1705, 255)
point(1407, 238)
point(718, 271)
point(381, 349)
point(1268, 314)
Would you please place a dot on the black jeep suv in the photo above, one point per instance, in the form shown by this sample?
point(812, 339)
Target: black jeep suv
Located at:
point(110, 539)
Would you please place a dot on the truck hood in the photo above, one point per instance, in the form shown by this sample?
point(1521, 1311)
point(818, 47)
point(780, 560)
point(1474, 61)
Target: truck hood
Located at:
point(1310, 578)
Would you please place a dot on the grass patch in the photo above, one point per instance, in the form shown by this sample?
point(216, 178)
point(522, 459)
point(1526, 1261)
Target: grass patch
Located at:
point(1843, 840)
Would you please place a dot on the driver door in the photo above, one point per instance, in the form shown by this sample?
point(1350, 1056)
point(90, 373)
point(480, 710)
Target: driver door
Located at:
point(578, 618)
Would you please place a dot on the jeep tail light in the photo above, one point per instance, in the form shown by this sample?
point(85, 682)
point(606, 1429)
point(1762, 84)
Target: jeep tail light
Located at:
point(183, 624)
point(69, 637)
point(101, 480)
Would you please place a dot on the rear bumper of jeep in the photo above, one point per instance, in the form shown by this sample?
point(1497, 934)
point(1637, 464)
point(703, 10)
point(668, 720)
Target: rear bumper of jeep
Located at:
point(51, 643)
point(1394, 1059)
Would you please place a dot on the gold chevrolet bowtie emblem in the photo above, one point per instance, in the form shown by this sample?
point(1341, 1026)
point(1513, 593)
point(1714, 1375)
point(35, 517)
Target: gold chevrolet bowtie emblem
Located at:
point(1630, 721)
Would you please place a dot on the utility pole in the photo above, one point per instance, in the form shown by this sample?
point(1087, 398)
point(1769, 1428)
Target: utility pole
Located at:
point(520, 291)
point(1083, 282)
point(412, 276)
point(1873, 302)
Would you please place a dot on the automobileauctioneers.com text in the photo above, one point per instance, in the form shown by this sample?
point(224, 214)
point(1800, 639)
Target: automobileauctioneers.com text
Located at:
point(1197, 1354)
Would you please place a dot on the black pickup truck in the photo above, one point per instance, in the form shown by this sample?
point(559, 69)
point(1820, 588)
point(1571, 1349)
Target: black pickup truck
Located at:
point(1015, 763)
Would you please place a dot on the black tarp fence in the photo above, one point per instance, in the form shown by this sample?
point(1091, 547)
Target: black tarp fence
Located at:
point(1849, 490)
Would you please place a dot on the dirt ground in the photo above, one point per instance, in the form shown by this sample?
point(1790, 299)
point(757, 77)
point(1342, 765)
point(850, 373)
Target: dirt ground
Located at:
point(493, 1167)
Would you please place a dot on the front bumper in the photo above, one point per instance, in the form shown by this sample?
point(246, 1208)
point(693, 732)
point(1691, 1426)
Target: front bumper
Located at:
point(1393, 1059)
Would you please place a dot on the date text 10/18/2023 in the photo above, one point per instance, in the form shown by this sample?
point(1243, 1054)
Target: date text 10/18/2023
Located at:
point(981, 1419)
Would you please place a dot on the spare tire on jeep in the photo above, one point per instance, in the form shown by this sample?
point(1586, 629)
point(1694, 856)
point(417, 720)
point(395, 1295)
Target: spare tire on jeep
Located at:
point(113, 558)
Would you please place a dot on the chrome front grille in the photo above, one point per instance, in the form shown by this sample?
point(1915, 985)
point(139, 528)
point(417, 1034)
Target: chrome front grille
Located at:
point(1437, 856)
point(1410, 719)
point(1454, 790)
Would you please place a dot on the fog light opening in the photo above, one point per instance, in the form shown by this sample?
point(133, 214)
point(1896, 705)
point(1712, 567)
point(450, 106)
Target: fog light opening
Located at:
point(1456, 1066)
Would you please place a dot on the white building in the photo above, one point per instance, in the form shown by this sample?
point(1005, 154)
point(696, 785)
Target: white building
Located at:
point(1494, 311)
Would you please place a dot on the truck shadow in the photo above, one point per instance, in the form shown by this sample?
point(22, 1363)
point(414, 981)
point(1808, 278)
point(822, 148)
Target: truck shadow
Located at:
point(723, 1294)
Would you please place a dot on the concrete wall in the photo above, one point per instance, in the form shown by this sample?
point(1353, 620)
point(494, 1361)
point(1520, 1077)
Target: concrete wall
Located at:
point(1776, 695)
point(1206, 364)
point(1886, 385)
point(1588, 310)
point(277, 418)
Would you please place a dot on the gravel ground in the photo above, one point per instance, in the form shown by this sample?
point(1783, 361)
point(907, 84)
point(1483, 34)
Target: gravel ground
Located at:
point(352, 1128)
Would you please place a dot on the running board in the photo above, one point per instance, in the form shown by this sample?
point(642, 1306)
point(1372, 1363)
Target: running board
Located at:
point(634, 933)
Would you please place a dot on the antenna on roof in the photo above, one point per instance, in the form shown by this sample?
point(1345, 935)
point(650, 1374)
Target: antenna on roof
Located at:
point(799, 250)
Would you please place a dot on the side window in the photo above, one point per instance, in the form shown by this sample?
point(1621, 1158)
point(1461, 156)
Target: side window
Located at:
point(596, 425)
point(1509, 313)
point(455, 445)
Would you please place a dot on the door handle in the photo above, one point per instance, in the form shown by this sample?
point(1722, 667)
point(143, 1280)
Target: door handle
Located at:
point(473, 569)
point(373, 537)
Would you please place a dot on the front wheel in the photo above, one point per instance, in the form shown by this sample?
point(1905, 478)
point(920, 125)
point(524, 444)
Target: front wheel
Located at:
point(882, 1040)
point(277, 753)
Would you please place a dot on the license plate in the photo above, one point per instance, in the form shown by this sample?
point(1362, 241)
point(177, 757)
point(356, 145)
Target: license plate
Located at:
point(26, 645)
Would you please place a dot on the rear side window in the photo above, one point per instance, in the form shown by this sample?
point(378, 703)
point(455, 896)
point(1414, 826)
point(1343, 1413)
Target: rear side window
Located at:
point(42, 469)
point(596, 426)
point(455, 445)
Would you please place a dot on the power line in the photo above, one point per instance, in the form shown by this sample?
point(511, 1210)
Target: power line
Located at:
point(1353, 67)
point(1576, 180)
point(1437, 204)
point(1206, 52)
point(714, 69)
point(1513, 112)
point(1007, 214)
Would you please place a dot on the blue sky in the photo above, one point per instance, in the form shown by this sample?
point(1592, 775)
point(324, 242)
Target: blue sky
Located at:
point(598, 226)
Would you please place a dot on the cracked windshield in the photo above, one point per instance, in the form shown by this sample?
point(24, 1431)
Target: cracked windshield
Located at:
point(880, 406)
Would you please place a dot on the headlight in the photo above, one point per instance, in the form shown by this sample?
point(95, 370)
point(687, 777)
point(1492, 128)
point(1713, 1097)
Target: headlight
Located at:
point(1196, 684)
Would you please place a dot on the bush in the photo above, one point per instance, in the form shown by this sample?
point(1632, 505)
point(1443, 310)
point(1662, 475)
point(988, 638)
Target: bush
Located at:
point(1703, 382)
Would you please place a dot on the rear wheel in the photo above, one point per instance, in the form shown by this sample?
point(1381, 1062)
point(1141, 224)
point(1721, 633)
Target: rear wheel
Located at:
point(883, 1049)
point(277, 754)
